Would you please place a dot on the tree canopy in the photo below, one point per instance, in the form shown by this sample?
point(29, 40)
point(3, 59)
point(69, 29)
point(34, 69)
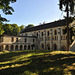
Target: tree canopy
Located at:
point(63, 5)
point(10, 29)
point(6, 8)
point(30, 25)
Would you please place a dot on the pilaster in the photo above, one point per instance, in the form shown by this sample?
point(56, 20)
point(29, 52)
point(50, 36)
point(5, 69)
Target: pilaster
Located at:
point(59, 39)
point(51, 39)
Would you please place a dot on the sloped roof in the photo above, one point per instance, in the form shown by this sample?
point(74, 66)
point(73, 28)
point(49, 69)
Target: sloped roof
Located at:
point(46, 26)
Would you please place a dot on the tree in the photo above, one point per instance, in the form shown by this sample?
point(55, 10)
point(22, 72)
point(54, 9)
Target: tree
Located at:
point(21, 27)
point(15, 29)
point(11, 29)
point(1, 29)
point(6, 8)
point(8, 29)
point(30, 25)
point(68, 7)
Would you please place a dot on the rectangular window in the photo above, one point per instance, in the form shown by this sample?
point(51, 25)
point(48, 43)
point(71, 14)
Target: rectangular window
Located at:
point(12, 39)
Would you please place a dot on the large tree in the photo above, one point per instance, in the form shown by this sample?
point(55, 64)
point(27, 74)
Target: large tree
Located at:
point(68, 7)
point(11, 29)
point(6, 8)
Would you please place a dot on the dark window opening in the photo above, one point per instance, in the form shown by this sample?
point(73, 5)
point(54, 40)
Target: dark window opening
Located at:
point(16, 39)
point(48, 33)
point(55, 32)
point(12, 39)
point(25, 40)
point(33, 40)
point(42, 33)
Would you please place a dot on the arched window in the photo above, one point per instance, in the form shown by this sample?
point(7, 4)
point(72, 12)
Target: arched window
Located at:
point(55, 32)
point(28, 47)
point(7, 47)
point(12, 47)
point(16, 47)
point(48, 46)
point(33, 46)
point(42, 45)
point(21, 47)
point(55, 47)
point(25, 47)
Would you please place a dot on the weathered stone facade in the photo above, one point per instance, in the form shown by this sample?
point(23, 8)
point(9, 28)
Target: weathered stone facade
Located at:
point(16, 42)
point(43, 37)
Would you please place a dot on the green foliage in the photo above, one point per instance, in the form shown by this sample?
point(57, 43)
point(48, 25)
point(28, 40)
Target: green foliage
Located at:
point(30, 25)
point(11, 29)
point(22, 27)
point(63, 5)
point(37, 63)
point(71, 33)
point(1, 29)
point(15, 29)
point(6, 8)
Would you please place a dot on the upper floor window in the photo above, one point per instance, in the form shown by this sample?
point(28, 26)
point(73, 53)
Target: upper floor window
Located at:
point(55, 37)
point(33, 40)
point(64, 31)
point(37, 34)
point(55, 32)
point(48, 33)
point(12, 39)
point(25, 40)
point(16, 39)
point(42, 33)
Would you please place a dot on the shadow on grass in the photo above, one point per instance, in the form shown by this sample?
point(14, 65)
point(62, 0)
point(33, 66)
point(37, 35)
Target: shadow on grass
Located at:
point(46, 64)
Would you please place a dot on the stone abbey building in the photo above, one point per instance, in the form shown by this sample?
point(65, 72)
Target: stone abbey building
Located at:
point(49, 36)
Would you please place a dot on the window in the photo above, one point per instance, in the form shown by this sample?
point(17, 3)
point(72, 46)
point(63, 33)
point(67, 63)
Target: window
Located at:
point(55, 32)
point(12, 39)
point(64, 31)
point(33, 40)
point(48, 33)
point(16, 39)
point(25, 40)
point(42, 33)
point(55, 37)
point(37, 34)
point(61, 38)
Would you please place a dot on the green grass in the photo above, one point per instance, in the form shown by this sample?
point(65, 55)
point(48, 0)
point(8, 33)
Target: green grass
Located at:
point(37, 63)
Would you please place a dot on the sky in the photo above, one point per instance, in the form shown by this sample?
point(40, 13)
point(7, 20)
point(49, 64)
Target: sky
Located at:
point(34, 12)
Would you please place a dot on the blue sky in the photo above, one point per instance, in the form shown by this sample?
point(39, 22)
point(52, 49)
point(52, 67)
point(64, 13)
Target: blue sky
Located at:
point(34, 12)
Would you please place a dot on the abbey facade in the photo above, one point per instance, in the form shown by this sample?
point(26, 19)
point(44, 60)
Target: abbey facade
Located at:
point(49, 36)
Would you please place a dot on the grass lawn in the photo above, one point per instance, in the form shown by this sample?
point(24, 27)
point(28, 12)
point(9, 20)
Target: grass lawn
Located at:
point(37, 63)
